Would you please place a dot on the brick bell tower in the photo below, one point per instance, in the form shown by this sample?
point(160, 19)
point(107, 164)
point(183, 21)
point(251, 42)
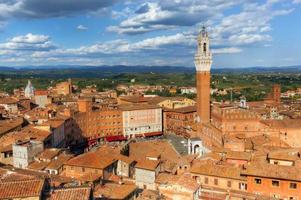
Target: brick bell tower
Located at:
point(203, 62)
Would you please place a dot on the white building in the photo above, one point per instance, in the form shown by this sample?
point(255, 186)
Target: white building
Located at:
point(146, 172)
point(24, 152)
point(188, 90)
point(141, 120)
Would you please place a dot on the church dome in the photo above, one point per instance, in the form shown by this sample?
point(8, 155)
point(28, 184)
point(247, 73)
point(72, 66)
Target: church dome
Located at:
point(29, 90)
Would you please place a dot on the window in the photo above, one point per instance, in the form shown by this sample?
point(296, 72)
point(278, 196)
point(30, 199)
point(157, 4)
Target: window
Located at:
point(215, 181)
point(257, 181)
point(276, 163)
point(206, 180)
point(275, 183)
point(229, 183)
point(242, 186)
point(293, 185)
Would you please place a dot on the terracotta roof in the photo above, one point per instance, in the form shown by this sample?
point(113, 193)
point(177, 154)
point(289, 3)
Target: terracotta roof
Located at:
point(150, 195)
point(210, 168)
point(285, 154)
point(8, 100)
point(7, 125)
point(48, 154)
point(40, 92)
point(59, 162)
point(187, 109)
point(185, 180)
point(21, 189)
point(138, 107)
point(27, 133)
point(114, 191)
point(263, 169)
point(285, 123)
point(80, 193)
point(55, 123)
point(237, 155)
point(38, 165)
point(142, 99)
point(91, 160)
point(141, 150)
point(7, 175)
point(147, 164)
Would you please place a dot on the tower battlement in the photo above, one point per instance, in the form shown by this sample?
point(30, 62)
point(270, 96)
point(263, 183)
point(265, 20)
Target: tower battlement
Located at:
point(203, 56)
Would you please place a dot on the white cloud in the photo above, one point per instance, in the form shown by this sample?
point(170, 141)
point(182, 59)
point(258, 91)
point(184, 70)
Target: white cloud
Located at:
point(82, 27)
point(162, 15)
point(250, 26)
point(30, 38)
point(229, 50)
point(28, 42)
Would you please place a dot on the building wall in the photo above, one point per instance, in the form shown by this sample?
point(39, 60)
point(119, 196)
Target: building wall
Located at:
point(41, 100)
point(173, 104)
point(78, 171)
point(100, 124)
point(137, 122)
point(178, 123)
point(123, 169)
point(231, 121)
point(24, 154)
point(222, 183)
point(176, 192)
point(266, 188)
point(64, 88)
point(58, 137)
point(281, 162)
point(145, 178)
point(12, 108)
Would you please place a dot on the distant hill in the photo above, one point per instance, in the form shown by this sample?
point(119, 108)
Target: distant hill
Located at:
point(104, 71)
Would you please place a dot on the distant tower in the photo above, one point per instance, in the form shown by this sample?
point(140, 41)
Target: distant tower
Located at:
point(277, 94)
point(29, 90)
point(203, 62)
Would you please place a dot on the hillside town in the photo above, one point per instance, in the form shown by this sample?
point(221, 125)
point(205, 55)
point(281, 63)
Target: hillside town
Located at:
point(64, 143)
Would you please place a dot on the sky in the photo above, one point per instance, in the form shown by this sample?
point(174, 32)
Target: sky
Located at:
point(243, 33)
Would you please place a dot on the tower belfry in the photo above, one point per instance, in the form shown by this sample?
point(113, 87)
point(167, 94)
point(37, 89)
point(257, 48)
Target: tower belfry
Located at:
point(203, 62)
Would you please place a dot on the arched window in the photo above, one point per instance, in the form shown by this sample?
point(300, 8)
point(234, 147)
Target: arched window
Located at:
point(205, 47)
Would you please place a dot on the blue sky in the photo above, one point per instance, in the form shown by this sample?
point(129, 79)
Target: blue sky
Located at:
point(149, 32)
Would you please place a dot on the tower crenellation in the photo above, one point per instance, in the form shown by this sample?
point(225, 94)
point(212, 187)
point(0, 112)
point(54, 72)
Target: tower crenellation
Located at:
point(203, 56)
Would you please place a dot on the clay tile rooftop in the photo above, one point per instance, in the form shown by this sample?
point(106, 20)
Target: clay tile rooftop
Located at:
point(237, 155)
point(114, 190)
point(263, 169)
point(8, 100)
point(48, 154)
point(7, 125)
point(80, 193)
point(137, 107)
point(187, 109)
point(57, 163)
point(21, 189)
point(147, 164)
point(210, 168)
point(92, 160)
